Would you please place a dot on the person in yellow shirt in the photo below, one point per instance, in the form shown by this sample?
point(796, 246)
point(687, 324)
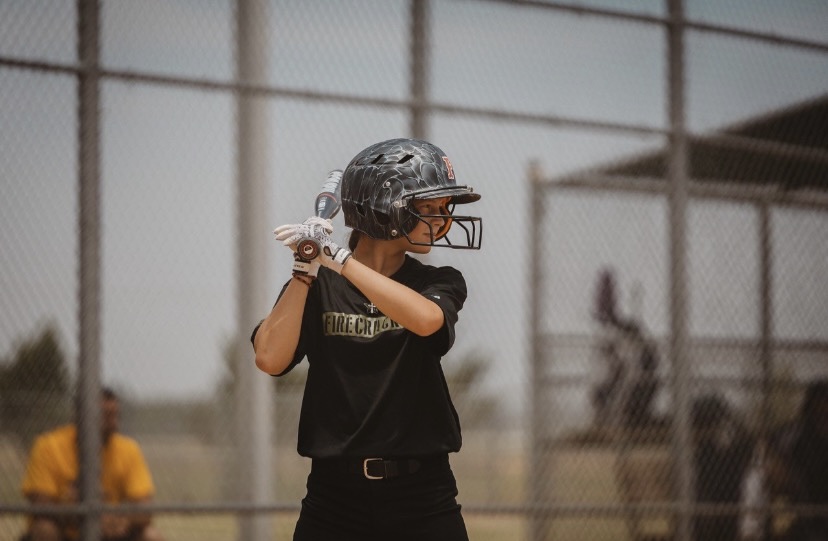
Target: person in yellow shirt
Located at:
point(52, 477)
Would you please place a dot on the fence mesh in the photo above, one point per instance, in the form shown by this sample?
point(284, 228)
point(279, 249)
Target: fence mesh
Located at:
point(569, 429)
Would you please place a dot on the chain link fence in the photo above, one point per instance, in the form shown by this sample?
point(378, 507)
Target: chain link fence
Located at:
point(645, 316)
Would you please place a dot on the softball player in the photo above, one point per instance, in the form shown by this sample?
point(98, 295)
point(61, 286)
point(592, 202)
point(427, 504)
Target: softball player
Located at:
point(377, 419)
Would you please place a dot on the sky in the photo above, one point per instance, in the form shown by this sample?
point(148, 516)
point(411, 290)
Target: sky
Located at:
point(168, 162)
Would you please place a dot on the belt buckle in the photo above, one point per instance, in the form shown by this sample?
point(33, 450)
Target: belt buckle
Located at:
point(365, 469)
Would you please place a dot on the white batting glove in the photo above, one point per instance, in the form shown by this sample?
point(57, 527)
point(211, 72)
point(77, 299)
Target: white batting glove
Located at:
point(300, 267)
point(291, 234)
point(305, 268)
point(318, 230)
point(332, 255)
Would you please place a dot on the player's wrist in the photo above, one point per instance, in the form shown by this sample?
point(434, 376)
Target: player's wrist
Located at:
point(335, 260)
point(304, 268)
point(305, 279)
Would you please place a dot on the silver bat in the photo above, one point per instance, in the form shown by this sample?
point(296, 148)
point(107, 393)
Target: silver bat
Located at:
point(327, 206)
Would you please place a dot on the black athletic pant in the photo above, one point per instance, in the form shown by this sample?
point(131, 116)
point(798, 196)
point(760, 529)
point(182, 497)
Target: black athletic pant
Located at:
point(343, 505)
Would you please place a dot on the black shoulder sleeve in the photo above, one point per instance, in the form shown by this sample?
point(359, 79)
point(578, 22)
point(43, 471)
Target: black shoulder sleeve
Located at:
point(446, 288)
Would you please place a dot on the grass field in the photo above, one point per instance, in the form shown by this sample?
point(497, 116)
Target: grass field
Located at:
point(491, 470)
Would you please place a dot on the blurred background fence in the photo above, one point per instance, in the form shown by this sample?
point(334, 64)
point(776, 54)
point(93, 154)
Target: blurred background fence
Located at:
point(654, 190)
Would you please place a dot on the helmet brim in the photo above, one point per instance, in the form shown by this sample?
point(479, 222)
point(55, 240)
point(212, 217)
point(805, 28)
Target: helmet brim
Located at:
point(458, 194)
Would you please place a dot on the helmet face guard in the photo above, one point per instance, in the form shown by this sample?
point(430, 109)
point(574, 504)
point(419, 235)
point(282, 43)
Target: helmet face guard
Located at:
point(381, 183)
point(467, 233)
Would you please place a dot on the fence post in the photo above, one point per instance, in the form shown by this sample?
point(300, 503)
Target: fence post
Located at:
point(678, 194)
point(419, 48)
point(254, 412)
point(538, 522)
point(88, 409)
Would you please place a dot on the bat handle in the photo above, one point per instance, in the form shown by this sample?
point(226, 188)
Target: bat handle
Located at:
point(307, 249)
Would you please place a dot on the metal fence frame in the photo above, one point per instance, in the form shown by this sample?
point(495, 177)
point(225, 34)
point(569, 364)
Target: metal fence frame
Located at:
point(678, 188)
point(246, 86)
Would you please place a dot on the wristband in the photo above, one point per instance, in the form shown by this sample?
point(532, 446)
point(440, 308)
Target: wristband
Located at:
point(308, 281)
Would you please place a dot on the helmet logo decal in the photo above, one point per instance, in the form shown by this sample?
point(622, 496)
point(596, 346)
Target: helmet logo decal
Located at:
point(449, 167)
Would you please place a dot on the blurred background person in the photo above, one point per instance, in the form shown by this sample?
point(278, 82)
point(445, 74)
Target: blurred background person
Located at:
point(52, 478)
point(624, 396)
point(799, 456)
point(722, 453)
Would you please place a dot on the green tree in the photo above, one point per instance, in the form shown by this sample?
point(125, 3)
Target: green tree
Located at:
point(34, 387)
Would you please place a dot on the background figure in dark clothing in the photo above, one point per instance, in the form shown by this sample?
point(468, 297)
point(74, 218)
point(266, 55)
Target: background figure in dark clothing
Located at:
point(722, 453)
point(625, 394)
point(803, 449)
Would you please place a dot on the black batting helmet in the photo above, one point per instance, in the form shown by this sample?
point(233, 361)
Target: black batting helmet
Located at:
point(381, 183)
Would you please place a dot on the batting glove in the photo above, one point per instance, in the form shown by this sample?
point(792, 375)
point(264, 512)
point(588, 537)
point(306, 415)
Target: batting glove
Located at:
point(291, 234)
point(332, 255)
point(318, 230)
point(305, 268)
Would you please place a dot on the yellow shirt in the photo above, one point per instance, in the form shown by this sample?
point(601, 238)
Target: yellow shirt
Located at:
point(53, 468)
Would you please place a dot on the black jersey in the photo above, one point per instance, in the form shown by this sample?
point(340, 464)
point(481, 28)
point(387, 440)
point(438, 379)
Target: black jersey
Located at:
point(374, 388)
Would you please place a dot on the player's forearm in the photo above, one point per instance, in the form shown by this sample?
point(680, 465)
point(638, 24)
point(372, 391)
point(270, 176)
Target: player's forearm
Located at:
point(400, 303)
point(37, 498)
point(278, 336)
point(140, 520)
point(118, 525)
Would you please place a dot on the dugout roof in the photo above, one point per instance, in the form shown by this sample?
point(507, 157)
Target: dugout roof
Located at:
point(785, 149)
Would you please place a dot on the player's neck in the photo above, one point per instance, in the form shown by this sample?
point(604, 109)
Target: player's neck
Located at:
point(385, 257)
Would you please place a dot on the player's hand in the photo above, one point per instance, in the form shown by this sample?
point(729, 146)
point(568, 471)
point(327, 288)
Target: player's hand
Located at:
point(291, 234)
point(114, 526)
point(319, 230)
point(332, 255)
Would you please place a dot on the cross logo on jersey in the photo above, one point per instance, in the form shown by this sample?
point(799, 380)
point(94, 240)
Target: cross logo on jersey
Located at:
point(371, 307)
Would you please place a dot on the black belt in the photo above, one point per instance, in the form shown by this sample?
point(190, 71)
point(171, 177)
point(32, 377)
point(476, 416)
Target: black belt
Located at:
point(377, 468)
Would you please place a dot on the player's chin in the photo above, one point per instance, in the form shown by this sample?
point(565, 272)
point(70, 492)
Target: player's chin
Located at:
point(419, 248)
